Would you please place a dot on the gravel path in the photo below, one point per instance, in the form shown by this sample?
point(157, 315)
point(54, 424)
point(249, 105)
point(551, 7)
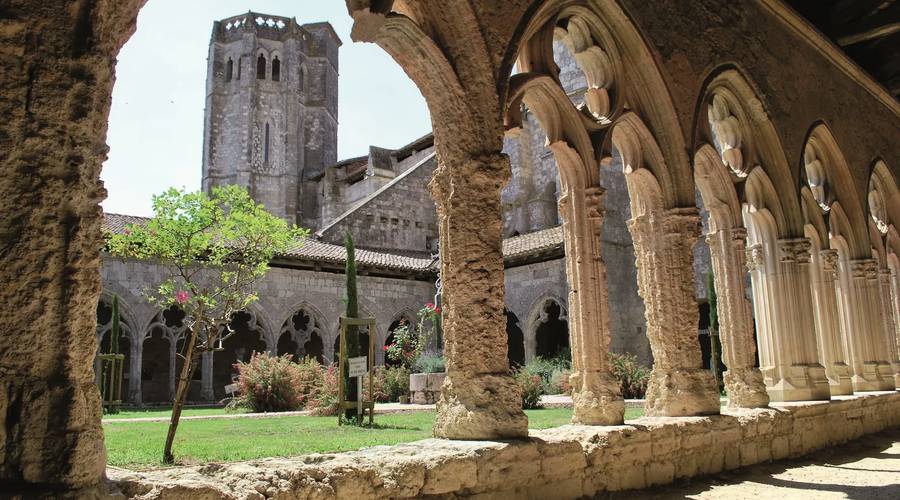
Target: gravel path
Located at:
point(866, 469)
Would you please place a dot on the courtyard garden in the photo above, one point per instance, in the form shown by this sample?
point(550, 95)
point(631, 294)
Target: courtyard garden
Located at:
point(138, 445)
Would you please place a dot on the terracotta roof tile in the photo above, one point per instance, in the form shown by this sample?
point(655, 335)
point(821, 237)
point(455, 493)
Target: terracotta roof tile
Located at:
point(532, 243)
point(320, 251)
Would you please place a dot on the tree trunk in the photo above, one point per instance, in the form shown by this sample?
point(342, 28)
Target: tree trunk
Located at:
point(184, 384)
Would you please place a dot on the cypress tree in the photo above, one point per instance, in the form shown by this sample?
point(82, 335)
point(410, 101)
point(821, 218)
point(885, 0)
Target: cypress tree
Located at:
point(352, 344)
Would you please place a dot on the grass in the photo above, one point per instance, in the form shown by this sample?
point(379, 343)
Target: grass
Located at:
point(138, 445)
point(167, 412)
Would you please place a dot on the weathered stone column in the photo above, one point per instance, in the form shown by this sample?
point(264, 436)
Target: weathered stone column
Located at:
point(597, 397)
point(663, 243)
point(743, 381)
point(886, 354)
point(785, 327)
point(865, 355)
point(207, 391)
point(832, 347)
point(479, 398)
point(805, 379)
point(135, 395)
point(889, 323)
point(57, 68)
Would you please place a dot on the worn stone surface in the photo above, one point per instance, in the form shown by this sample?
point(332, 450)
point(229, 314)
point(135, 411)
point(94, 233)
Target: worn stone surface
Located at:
point(57, 60)
point(564, 462)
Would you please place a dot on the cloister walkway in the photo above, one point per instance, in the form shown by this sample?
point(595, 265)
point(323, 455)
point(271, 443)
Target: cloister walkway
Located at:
point(865, 469)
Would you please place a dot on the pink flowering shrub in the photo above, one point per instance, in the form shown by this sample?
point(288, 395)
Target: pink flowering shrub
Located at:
point(325, 402)
point(271, 383)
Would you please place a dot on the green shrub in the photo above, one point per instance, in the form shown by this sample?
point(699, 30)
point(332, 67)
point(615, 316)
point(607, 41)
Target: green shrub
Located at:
point(396, 382)
point(560, 381)
point(312, 376)
point(546, 370)
point(532, 388)
point(429, 363)
point(325, 402)
point(632, 376)
point(271, 383)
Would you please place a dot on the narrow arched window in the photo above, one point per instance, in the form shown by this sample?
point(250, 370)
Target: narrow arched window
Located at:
point(239, 67)
point(276, 69)
point(261, 67)
point(301, 79)
point(266, 150)
point(229, 68)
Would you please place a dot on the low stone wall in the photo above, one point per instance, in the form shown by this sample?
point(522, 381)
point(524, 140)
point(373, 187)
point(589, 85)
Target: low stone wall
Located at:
point(425, 388)
point(564, 462)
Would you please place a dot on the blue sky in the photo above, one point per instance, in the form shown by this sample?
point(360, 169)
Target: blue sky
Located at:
point(156, 122)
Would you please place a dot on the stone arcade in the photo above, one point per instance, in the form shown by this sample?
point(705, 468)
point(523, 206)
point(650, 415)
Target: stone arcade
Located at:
point(791, 145)
point(271, 85)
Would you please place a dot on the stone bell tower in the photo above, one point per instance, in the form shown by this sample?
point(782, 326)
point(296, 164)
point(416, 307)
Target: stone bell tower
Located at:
point(271, 110)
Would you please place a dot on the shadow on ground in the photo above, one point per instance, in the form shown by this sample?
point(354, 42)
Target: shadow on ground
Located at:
point(866, 469)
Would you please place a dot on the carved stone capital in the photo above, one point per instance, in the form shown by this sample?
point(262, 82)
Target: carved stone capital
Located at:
point(864, 269)
point(684, 222)
point(755, 257)
point(830, 259)
point(794, 250)
point(594, 202)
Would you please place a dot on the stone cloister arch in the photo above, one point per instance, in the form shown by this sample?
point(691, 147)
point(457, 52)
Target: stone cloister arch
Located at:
point(540, 315)
point(127, 346)
point(58, 87)
point(743, 176)
point(303, 333)
point(883, 206)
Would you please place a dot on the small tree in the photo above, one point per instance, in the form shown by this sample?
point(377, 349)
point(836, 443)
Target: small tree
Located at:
point(352, 340)
point(215, 248)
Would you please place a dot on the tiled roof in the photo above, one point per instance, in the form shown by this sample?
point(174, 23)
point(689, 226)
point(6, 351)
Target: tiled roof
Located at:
point(311, 250)
point(533, 243)
point(318, 251)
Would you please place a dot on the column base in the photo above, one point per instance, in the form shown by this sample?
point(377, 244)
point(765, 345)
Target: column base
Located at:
point(745, 388)
point(681, 393)
point(597, 400)
point(871, 377)
point(888, 372)
point(478, 407)
point(802, 383)
point(839, 381)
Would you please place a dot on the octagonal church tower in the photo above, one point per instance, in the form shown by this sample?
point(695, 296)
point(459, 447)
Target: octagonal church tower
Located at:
point(271, 109)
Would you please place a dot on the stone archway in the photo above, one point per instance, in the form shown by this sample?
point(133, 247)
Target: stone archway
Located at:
point(515, 351)
point(302, 335)
point(248, 338)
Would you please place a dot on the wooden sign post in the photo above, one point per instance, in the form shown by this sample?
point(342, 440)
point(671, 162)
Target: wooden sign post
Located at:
point(357, 367)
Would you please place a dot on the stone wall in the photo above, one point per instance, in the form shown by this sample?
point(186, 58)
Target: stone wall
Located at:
point(282, 293)
point(400, 217)
point(563, 462)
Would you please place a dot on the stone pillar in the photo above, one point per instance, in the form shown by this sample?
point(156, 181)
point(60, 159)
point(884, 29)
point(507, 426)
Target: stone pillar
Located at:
point(135, 395)
point(884, 353)
point(207, 391)
point(888, 323)
point(743, 381)
point(832, 347)
point(784, 320)
point(663, 243)
point(597, 397)
point(479, 398)
point(805, 378)
point(865, 355)
point(57, 76)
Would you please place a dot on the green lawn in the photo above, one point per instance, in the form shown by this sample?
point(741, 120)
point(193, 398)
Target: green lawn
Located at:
point(139, 444)
point(167, 412)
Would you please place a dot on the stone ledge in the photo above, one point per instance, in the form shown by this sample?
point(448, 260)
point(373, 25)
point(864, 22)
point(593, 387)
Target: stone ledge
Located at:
point(564, 462)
